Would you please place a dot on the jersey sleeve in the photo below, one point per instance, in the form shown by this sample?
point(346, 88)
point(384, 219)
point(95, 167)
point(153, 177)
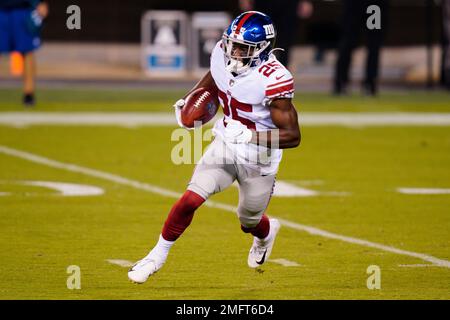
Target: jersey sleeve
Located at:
point(279, 84)
point(216, 51)
point(216, 60)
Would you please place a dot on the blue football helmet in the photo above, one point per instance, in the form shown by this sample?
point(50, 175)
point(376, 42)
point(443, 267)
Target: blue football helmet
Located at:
point(248, 41)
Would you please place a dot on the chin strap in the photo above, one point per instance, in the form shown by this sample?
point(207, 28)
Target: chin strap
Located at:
point(236, 66)
point(276, 49)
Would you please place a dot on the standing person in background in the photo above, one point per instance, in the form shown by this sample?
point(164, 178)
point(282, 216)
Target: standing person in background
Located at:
point(445, 64)
point(20, 25)
point(285, 14)
point(354, 19)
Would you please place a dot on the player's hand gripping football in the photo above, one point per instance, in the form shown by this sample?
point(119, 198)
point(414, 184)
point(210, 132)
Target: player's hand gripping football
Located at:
point(236, 132)
point(178, 106)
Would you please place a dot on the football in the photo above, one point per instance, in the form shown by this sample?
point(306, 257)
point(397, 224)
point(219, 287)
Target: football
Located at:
point(200, 105)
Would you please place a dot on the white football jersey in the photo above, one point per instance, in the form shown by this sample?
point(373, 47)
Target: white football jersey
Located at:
point(246, 98)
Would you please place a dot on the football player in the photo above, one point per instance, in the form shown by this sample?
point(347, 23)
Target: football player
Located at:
point(256, 93)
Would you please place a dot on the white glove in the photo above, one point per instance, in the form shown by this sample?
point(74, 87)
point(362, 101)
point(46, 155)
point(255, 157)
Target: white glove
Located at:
point(178, 106)
point(236, 132)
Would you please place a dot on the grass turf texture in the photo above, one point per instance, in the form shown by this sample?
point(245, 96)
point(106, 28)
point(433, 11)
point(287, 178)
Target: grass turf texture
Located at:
point(42, 235)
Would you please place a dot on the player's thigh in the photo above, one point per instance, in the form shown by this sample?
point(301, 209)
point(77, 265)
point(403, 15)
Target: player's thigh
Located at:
point(254, 196)
point(25, 33)
point(214, 173)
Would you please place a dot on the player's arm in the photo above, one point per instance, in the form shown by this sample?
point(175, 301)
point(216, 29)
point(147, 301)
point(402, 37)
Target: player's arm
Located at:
point(206, 81)
point(284, 116)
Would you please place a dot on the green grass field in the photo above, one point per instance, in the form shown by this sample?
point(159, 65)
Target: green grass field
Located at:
point(42, 233)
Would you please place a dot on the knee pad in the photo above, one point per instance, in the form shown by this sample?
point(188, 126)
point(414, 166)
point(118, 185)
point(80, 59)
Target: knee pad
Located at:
point(202, 184)
point(250, 213)
point(249, 221)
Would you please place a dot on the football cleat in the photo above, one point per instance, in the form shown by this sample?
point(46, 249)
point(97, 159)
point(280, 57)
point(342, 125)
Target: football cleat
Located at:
point(261, 250)
point(29, 100)
point(144, 268)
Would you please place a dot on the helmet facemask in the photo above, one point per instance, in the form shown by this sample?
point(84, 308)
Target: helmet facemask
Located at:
point(240, 55)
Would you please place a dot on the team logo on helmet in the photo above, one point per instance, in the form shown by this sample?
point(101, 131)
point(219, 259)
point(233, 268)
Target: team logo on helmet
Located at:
point(270, 30)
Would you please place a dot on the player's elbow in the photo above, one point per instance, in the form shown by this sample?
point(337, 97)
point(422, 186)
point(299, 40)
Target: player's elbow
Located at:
point(297, 138)
point(294, 140)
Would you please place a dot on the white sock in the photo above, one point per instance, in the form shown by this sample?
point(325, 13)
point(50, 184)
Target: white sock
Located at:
point(162, 248)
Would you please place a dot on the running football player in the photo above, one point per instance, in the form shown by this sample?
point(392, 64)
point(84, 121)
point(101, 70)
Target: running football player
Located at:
point(256, 93)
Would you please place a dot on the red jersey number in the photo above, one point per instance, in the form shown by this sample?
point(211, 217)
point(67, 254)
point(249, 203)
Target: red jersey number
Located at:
point(269, 68)
point(230, 107)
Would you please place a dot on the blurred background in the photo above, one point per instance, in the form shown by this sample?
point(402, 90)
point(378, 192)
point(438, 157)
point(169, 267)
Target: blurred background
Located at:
point(113, 43)
point(91, 107)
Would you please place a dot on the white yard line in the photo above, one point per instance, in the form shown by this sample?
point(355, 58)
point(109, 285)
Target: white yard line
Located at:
point(285, 262)
point(423, 190)
point(326, 234)
point(124, 119)
point(418, 265)
point(67, 189)
point(286, 189)
point(120, 262)
point(169, 193)
point(356, 119)
point(136, 119)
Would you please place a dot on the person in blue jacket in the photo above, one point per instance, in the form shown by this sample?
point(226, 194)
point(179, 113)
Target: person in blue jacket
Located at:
point(20, 26)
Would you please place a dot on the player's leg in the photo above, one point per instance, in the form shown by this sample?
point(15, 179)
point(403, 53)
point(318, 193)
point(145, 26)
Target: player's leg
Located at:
point(28, 79)
point(213, 174)
point(178, 220)
point(374, 43)
point(349, 37)
point(26, 39)
point(255, 192)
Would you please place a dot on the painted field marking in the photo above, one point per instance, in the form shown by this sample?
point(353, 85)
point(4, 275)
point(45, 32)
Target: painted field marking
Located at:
point(423, 190)
point(285, 262)
point(286, 189)
point(127, 264)
point(136, 119)
point(418, 265)
point(315, 182)
point(67, 189)
point(169, 193)
point(63, 189)
point(120, 262)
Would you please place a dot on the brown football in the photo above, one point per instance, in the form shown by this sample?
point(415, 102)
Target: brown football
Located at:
point(200, 105)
